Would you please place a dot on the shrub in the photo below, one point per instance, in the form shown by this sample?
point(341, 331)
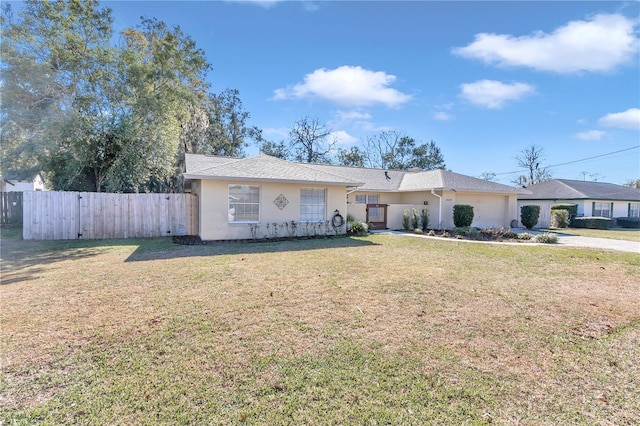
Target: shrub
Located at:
point(406, 220)
point(415, 219)
point(559, 218)
point(473, 233)
point(499, 233)
point(572, 209)
point(358, 228)
point(432, 233)
point(593, 222)
point(525, 236)
point(629, 222)
point(546, 238)
point(418, 231)
point(529, 216)
point(462, 215)
point(424, 218)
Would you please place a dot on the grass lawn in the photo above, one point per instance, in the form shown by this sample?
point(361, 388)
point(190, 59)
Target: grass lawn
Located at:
point(614, 234)
point(383, 329)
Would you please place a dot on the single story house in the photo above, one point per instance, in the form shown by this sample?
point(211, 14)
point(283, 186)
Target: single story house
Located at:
point(593, 198)
point(13, 182)
point(267, 197)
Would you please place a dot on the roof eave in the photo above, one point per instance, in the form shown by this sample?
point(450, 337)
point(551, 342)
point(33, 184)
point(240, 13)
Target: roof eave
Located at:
point(277, 180)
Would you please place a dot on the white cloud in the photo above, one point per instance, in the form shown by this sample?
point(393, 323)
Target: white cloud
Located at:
point(599, 44)
point(494, 94)
point(262, 3)
point(591, 135)
point(346, 85)
point(629, 119)
point(342, 138)
point(352, 116)
point(443, 116)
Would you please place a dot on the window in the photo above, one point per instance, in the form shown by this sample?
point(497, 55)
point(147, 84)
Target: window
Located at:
point(602, 209)
point(312, 204)
point(244, 203)
point(367, 199)
point(634, 210)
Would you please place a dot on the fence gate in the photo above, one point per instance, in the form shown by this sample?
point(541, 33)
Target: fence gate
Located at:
point(51, 215)
point(11, 208)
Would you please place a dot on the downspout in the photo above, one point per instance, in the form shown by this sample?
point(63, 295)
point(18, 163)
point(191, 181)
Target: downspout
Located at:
point(439, 209)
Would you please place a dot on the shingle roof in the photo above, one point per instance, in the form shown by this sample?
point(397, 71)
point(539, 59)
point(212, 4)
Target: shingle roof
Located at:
point(261, 167)
point(407, 180)
point(374, 179)
point(566, 189)
point(444, 179)
point(264, 167)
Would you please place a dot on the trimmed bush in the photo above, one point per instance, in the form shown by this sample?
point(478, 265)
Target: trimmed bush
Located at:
point(406, 220)
point(418, 231)
point(424, 219)
point(571, 208)
point(629, 222)
point(546, 238)
point(593, 222)
point(462, 215)
point(559, 218)
point(415, 219)
point(529, 216)
point(358, 228)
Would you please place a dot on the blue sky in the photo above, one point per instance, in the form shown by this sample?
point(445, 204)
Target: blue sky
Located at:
point(484, 80)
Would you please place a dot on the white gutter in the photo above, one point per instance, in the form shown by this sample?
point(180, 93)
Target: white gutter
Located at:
point(439, 209)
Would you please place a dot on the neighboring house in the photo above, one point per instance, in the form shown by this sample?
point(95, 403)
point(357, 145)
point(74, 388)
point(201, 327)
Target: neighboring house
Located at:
point(19, 183)
point(263, 196)
point(593, 198)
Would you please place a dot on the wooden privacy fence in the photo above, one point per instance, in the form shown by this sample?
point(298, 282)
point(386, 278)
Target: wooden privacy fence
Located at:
point(50, 215)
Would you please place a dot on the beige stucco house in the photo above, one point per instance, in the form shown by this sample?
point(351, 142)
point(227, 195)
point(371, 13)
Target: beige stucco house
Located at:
point(599, 199)
point(266, 197)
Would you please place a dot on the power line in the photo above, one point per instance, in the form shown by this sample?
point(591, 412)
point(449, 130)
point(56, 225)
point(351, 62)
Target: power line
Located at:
point(574, 161)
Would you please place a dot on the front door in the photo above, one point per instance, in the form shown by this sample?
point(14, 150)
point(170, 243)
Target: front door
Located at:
point(377, 216)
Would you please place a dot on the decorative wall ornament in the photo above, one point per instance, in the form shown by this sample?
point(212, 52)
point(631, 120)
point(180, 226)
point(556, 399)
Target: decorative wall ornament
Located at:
point(281, 201)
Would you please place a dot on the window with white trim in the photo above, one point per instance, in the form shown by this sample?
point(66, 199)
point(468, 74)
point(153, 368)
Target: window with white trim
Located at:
point(634, 209)
point(602, 209)
point(244, 203)
point(313, 204)
point(367, 199)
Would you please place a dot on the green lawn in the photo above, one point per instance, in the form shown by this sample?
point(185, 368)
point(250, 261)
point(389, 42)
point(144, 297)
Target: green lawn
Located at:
point(615, 234)
point(383, 329)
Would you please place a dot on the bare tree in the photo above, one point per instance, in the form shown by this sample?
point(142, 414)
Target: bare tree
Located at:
point(530, 159)
point(395, 150)
point(490, 176)
point(309, 141)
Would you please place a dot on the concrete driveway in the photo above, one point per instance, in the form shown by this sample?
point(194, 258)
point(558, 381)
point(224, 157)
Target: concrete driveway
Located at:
point(563, 240)
point(600, 243)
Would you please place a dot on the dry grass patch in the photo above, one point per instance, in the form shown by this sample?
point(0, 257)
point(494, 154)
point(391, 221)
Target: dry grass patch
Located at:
point(383, 329)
